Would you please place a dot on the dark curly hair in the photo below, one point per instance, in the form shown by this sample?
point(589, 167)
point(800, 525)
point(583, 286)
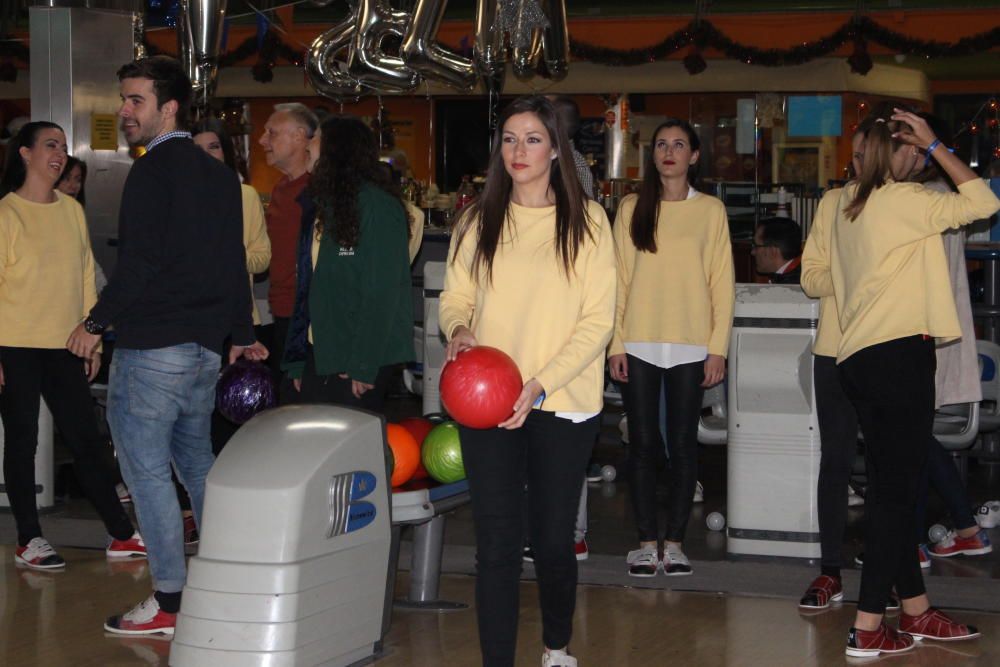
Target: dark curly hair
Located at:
point(348, 158)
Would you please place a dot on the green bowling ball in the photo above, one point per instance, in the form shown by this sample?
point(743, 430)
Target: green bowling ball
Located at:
point(442, 453)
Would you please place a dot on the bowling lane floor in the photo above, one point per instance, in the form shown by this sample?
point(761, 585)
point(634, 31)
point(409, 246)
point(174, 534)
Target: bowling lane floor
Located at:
point(53, 619)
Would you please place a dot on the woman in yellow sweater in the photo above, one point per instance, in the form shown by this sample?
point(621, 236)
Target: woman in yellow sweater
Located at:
point(531, 271)
point(210, 134)
point(674, 317)
point(46, 289)
point(893, 294)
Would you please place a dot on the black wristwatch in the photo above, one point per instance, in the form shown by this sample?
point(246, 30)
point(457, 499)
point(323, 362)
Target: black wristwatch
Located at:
point(93, 327)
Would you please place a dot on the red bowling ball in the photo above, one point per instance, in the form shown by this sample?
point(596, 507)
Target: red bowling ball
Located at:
point(418, 427)
point(479, 387)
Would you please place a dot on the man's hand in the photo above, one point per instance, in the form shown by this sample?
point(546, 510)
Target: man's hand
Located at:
point(81, 343)
point(255, 352)
point(91, 366)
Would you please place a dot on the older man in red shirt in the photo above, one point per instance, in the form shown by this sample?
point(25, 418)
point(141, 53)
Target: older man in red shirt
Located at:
point(286, 147)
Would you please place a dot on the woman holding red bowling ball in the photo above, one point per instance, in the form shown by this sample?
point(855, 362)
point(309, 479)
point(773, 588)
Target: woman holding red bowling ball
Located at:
point(674, 315)
point(531, 272)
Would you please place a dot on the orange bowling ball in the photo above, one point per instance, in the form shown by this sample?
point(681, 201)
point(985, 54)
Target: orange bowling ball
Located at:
point(405, 453)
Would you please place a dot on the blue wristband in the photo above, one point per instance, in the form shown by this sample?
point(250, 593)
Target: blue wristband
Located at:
point(930, 149)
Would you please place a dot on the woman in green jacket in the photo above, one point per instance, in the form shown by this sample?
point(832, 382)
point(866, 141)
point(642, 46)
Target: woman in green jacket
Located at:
point(353, 318)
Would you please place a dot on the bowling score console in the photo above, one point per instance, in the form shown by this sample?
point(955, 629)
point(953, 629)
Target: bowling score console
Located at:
point(294, 558)
point(773, 433)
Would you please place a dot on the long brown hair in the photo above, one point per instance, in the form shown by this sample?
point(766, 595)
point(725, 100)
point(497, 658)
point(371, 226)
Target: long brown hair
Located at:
point(348, 158)
point(646, 212)
point(489, 214)
point(876, 168)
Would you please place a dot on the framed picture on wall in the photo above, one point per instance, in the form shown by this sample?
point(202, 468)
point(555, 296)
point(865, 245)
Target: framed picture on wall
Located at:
point(805, 163)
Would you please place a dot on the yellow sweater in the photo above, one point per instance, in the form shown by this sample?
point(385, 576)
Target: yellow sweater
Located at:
point(890, 273)
point(255, 239)
point(46, 271)
point(816, 279)
point(685, 292)
point(554, 327)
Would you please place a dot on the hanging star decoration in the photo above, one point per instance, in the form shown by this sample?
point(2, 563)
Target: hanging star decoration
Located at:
point(520, 19)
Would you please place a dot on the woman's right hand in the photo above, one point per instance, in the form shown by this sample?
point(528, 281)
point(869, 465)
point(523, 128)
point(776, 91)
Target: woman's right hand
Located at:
point(921, 135)
point(297, 383)
point(618, 365)
point(461, 339)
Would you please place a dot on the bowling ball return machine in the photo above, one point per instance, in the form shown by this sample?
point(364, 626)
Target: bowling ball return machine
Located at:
point(300, 538)
point(773, 432)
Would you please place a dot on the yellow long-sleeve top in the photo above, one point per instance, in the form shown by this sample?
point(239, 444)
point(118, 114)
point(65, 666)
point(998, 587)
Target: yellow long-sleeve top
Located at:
point(553, 325)
point(255, 239)
point(416, 229)
point(46, 271)
point(889, 269)
point(816, 278)
point(685, 291)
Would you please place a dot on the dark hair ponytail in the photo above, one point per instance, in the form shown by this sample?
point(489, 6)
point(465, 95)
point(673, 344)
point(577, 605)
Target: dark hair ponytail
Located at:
point(644, 217)
point(14, 171)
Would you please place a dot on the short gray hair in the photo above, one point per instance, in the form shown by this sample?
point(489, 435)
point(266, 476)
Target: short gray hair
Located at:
point(301, 114)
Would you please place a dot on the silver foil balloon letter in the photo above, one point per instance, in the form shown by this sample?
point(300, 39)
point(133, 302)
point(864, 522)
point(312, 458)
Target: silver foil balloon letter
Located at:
point(555, 39)
point(327, 73)
point(489, 52)
point(433, 62)
point(199, 31)
point(368, 63)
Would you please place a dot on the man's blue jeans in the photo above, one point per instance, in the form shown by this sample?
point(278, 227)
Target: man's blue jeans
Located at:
point(159, 410)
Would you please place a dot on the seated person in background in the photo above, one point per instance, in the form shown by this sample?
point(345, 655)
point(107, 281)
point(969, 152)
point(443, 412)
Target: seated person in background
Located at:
point(777, 250)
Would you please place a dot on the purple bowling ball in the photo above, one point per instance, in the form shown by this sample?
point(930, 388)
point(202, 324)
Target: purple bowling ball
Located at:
point(244, 389)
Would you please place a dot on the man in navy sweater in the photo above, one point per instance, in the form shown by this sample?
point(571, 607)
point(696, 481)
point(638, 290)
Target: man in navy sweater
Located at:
point(179, 290)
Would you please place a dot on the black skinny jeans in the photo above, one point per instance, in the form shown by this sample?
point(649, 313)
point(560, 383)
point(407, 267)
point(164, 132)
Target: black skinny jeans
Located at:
point(549, 455)
point(838, 433)
point(891, 385)
point(56, 375)
point(681, 387)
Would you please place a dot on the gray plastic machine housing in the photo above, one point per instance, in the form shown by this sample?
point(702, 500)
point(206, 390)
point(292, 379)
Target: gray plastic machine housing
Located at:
point(294, 555)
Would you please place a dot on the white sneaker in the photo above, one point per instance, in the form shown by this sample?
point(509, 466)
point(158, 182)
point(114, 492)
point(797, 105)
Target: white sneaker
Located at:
point(675, 563)
point(643, 562)
point(558, 659)
point(146, 618)
point(38, 555)
point(853, 499)
point(699, 493)
point(988, 514)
